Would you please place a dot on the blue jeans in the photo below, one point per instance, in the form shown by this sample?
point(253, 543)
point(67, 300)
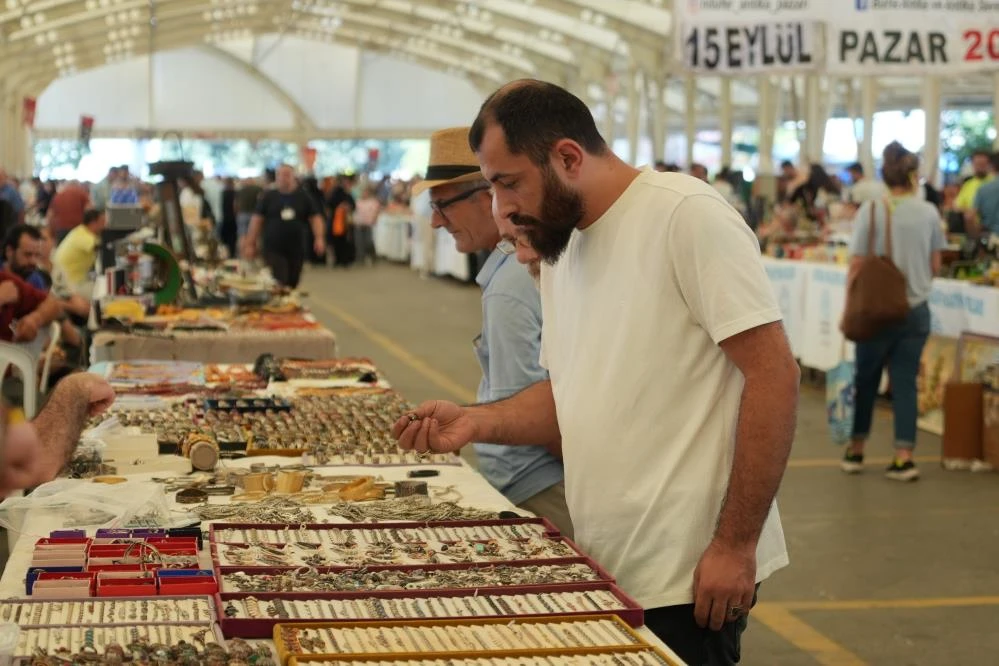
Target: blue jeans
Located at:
point(900, 348)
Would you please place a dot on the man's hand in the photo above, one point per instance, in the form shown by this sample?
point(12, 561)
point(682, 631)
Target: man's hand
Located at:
point(26, 462)
point(724, 584)
point(95, 390)
point(8, 293)
point(319, 247)
point(26, 329)
point(435, 426)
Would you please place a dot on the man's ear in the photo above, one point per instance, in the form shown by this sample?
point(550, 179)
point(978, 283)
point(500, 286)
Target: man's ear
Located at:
point(567, 156)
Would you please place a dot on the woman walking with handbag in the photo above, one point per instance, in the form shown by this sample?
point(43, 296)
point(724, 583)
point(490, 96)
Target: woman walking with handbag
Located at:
point(905, 230)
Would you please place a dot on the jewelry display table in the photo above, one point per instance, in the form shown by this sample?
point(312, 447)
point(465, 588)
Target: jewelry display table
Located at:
point(241, 346)
point(459, 483)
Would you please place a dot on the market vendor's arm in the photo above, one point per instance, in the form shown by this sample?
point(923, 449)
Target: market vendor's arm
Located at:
point(527, 418)
point(37, 319)
point(318, 233)
point(35, 452)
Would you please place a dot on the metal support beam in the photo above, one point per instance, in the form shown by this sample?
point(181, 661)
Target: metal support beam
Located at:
point(656, 117)
point(634, 82)
point(767, 123)
point(725, 120)
point(931, 149)
point(868, 105)
point(690, 115)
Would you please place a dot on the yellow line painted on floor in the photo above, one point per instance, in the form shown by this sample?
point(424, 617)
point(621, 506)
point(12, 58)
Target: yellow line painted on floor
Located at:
point(834, 462)
point(397, 350)
point(803, 636)
point(889, 604)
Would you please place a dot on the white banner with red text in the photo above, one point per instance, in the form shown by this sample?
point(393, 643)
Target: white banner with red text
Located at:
point(874, 37)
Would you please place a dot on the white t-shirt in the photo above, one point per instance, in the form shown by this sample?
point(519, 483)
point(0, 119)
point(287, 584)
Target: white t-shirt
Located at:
point(647, 402)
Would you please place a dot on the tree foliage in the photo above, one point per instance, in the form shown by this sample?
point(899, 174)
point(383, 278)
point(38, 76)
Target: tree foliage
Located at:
point(964, 132)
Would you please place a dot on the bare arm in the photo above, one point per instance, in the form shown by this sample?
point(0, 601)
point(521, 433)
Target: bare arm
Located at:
point(64, 416)
point(764, 431)
point(527, 418)
point(47, 312)
point(253, 236)
point(936, 262)
point(318, 226)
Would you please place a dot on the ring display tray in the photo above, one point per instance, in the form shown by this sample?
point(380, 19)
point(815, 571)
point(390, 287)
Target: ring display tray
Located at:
point(457, 639)
point(247, 546)
point(247, 615)
point(499, 576)
point(108, 611)
point(650, 657)
point(74, 624)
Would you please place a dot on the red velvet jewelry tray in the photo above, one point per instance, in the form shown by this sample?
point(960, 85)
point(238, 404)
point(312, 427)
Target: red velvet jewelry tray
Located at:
point(263, 627)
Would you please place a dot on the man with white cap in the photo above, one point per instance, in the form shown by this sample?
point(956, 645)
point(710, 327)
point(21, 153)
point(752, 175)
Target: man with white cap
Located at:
point(509, 346)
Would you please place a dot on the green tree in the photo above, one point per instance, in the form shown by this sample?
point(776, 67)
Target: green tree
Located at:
point(964, 132)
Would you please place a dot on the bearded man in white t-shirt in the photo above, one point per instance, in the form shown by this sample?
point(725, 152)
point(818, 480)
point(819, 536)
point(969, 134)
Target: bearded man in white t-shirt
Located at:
point(673, 391)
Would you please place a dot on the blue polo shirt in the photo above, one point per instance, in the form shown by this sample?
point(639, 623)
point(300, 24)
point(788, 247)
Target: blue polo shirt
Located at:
point(987, 205)
point(509, 349)
point(35, 279)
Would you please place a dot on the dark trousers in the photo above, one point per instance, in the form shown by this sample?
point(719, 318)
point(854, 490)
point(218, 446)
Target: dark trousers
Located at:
point(676, 627)
point(900, 347)
point(343, 250)
point(286, 267)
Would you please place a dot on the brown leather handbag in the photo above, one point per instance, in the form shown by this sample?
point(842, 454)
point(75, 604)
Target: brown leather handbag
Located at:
point(876, 296)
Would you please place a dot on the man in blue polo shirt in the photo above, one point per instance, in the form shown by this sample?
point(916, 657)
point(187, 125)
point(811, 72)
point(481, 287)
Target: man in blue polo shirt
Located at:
point(509, 346)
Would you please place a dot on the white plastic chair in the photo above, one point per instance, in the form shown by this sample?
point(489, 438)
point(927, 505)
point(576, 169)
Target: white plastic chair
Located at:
point(55, 334)
point(22, 359)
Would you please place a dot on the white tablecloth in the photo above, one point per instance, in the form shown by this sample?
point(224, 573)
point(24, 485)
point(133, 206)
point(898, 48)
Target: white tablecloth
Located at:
point(812, 296)
point(447, 259)
point(474, 489)
point(392, 237)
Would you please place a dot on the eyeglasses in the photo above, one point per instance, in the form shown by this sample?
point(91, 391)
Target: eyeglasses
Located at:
point(439, 206)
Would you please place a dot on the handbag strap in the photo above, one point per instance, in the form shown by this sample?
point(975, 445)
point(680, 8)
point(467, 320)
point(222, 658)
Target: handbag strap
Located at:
point(873, 228)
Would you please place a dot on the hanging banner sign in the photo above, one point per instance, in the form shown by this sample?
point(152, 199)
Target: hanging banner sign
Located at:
point(911, 36)
point(747, 36)
point(86, 130)
point(28, 112)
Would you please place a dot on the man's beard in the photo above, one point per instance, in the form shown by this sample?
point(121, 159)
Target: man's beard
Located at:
point(562, 209)
point(22, 271)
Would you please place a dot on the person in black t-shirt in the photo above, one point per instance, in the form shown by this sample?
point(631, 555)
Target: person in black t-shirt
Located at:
point(283, 214)
point(340, 231)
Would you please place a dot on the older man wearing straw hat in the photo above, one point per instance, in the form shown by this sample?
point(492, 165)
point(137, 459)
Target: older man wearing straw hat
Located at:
point(509, 346)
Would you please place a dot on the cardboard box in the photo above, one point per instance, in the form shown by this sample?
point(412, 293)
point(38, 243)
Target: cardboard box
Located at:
point(963, 421)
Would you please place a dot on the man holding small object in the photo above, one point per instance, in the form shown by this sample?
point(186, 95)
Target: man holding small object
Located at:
point(24, 310)
point(510, 342)
point(283, 214)
point(673, 390)
point(34, 453)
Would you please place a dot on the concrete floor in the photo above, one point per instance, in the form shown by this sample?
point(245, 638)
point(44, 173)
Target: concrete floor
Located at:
point(882, 573)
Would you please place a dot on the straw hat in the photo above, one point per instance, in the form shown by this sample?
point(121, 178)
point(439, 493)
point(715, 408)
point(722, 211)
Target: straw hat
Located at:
point(451, 160)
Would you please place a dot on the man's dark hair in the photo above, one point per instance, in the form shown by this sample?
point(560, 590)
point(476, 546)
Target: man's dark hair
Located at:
point(787, 164)
point(13, 238)
point(981, 152)
point(856, 167)
point(534, 116)
point(90, 215)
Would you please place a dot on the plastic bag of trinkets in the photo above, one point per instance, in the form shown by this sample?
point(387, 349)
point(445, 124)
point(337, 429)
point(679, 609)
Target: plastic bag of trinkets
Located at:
point(76, 503)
